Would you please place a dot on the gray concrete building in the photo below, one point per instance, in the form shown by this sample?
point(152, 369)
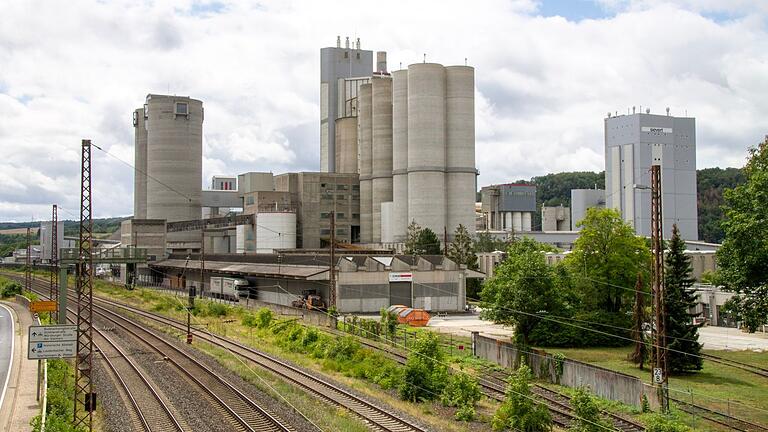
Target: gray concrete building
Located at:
point(46, 238)
point(315, 195)
point(635, 142)
point(508, 207)
point(555, 218)
point(583, 199)
point(337, 64)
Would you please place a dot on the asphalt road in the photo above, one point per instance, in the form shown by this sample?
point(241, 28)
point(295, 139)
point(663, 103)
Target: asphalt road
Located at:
point(6, 349)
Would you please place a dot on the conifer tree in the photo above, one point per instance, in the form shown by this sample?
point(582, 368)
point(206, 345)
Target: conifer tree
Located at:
point(639, 317)
point(682, 335)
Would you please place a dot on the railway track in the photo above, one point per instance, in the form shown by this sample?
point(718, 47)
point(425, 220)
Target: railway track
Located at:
point(244, 414)
point(494, 384)
point(722, 419)
point(377, 418)
point(737, 364)
point(150, 410)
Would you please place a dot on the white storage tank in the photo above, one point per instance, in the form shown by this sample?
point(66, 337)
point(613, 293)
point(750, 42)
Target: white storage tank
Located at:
point(399, 154)
point(460, 148)
point(140, 162)
point(381, 162)
point(365, 146)
point(275, 231)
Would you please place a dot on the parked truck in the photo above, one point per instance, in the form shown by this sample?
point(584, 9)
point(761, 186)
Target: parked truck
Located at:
point(228, 288)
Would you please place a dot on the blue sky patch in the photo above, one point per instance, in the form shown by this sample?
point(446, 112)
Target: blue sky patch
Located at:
point(573, 10)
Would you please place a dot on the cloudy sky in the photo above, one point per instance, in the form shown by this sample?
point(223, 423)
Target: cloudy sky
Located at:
point(547, 72)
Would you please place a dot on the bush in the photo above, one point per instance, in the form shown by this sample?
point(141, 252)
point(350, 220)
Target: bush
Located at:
point(425, 373)
point(519, 411)
point(264, 317)
point(10, 289)
point(218, 309)
point(548, 333)
point(462, 389)
point(662, 423)
point(465, 413)
point(587, 413)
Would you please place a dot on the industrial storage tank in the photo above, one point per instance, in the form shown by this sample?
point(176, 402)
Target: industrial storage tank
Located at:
point(381, 165)
point(426, 146)
point(365, 142)
point(346, 145)
point(460, 148)
point(275, 230)
point(140, 164)
point(174, 157)
point(399, 154)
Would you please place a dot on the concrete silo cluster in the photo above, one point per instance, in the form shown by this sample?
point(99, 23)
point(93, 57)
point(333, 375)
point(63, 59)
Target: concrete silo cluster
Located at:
point(417, 151)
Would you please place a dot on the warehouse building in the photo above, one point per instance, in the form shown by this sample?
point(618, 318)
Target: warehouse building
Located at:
point(508, 207)
point(365, 283)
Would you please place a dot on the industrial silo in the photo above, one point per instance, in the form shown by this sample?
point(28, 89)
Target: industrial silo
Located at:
point(275, 231)
point(460, 147)
point(365, 142)
point(426, 146)
point(140, 164)
point(381, 166)
point(174, 157)
point(399, 154)
point(346, 145)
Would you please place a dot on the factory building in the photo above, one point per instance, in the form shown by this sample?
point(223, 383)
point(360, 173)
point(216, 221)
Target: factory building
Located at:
point(315, 195)
point(339, 65)
point(555, 218)
point(635, 142)
point(365, 283)
point(583, 199)
point(508, 207)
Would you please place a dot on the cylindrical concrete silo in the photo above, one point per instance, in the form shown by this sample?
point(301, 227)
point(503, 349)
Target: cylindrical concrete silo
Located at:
point(426, 146)
point(346, 145)
point(381, 166)
point(460, 147)
point(275, 231)
point(400, 154)
point(140, 164)
point(365, 142)
point(174, 157)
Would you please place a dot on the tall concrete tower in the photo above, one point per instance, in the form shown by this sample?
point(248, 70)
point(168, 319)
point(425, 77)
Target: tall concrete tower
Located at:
point(635, 142)
point(337, 64)
point(172, 128)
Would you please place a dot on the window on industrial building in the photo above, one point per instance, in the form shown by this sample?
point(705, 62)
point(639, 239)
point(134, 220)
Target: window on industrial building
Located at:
point(356, 187)
point(135, 119)
point(325, 231)
point(249, 200)
point(341, 187)
point(341, 197)
point(182, 108)
point(341, 231)
point(322, 185)
point(340, 216)
point(355, 215)
point(325, 215)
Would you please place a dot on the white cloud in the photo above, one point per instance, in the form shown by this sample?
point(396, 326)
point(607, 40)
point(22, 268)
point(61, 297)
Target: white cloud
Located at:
point(74, 70)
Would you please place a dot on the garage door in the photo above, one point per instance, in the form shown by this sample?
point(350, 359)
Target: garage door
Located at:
point(400, 294)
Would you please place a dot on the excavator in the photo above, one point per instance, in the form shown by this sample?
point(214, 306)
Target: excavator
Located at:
point(309, 300)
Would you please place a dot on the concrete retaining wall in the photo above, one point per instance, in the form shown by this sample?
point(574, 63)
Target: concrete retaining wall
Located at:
point(604, 383)
point(309, 316)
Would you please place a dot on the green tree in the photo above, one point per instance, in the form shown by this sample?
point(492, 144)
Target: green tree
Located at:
point(412, 237)
point(425, 373)
point(587, 413)
point(485, 242)
point(463, 392)
point(520, 411)
point(743, 258)
point(428, 243)
point(679, 298)
point(639, 318)
point(606, 259)
point(462, 250)
point(521, 288)
point(710, 185)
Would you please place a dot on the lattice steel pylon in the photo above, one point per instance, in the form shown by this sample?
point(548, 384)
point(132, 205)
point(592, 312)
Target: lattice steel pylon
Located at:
point(28, 263)
point(660, 318)
point(53, 292)
point(84, 396)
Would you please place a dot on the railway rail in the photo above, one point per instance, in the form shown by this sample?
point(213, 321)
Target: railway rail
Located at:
point(244, 414)
point(717, 417)
point(377, 418)
point(494, 384)
point(763, 372)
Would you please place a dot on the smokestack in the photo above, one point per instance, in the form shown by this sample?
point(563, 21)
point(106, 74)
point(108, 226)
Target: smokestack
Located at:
point(338, 41)
point(346, 45)
point(358, 43)
point(381, 61)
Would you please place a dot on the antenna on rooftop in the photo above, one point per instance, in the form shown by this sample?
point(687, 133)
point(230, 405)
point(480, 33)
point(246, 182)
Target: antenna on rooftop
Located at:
point(338, 41)
point(425, 58)
point(647, 110)
point(667, 111)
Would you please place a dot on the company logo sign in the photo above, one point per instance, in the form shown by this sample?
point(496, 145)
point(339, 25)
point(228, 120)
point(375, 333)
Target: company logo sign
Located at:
point(652, 129)
point(401, 277)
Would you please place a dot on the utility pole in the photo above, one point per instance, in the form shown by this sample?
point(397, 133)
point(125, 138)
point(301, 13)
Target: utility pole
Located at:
point(332, 276)
point(85, 399)
point(202, 262)
point(445, 240)
point(28, 263)
point(53, 292)
point(660, 373)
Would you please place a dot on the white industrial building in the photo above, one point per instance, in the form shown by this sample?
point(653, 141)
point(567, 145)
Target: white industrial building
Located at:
point(635, 142)
point(508, 207)
point(583, 199)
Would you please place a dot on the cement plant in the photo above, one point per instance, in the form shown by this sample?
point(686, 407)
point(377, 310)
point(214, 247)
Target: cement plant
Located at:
point(387, 289)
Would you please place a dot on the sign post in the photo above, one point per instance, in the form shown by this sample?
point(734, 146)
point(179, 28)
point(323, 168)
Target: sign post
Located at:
point(52, 342)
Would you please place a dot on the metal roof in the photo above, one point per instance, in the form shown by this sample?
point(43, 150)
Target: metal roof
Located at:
point(252, 269)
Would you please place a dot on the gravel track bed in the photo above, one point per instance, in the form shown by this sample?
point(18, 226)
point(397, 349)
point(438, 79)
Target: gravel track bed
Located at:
point(188, 403)
point(113, 405)
point(235, 379)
